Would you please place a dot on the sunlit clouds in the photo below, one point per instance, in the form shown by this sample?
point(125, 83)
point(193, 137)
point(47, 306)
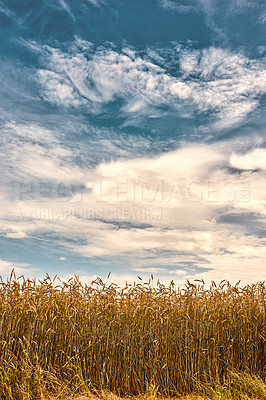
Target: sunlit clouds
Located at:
point(133, 139)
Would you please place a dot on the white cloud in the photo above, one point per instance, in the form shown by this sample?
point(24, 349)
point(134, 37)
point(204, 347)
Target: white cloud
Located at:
point(175, 6)
point(178, 272)
point(262, 17)
point(36, 153)
point(62, 258)
point(65, 6)
point(189, 62)
point(96, 3)
point(32, 132)
point(158, 212)
point(225, 84)
point(127, 241)
point(16, 235)
point(243, 258)
point(7, 266)
point(58, 90)
point(255, 159)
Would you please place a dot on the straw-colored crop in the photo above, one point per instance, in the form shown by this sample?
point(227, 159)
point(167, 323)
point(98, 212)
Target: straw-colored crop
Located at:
point(58, 337)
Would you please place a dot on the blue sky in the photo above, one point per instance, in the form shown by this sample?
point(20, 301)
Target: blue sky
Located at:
point(133, 139)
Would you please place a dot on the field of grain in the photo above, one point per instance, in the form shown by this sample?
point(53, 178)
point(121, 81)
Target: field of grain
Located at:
point(62, 338)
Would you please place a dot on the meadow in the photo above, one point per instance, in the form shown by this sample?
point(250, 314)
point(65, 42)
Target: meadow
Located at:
point(60, 339)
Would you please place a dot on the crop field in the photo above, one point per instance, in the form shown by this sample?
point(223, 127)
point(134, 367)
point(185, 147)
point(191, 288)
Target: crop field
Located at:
point(61, 339)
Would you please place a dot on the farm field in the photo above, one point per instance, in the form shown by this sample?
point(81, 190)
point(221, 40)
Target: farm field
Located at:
point(113, 397)
point(64, 339)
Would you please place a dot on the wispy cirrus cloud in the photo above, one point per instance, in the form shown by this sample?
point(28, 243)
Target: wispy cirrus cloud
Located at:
point(65, 6)
point(176, 6)
point(262, 17)
point(31, 152)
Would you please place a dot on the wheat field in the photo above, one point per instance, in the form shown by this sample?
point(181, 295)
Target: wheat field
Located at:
point(59, 338)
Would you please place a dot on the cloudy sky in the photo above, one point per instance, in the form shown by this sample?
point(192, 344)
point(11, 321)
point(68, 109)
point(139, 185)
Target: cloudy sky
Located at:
point(133, 139)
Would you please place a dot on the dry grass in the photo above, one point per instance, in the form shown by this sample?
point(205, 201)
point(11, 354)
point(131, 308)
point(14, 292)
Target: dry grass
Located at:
point(113, 397)
point(64, 338)
point(110, 396)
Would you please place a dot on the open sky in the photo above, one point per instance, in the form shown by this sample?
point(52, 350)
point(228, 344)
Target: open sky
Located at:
point(133, 139)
